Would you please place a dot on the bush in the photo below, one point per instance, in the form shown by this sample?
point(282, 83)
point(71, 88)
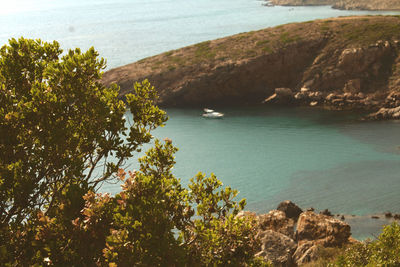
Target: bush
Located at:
point(385, 251)
point(62, 134)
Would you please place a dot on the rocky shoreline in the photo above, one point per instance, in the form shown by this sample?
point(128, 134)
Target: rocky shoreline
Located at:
point(388, 107)
point(292, 237)
point(383, 5)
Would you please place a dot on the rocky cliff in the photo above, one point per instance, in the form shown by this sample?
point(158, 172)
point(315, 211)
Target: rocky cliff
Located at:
point(357, 56)
point(344, 4)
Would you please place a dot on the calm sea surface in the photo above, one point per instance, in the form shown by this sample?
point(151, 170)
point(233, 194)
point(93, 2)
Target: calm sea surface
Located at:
point(315, 158)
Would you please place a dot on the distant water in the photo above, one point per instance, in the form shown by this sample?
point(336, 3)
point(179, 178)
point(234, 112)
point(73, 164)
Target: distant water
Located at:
point(323, 159)
point(124, 31)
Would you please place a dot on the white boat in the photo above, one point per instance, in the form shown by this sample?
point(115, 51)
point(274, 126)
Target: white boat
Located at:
point(209, 113)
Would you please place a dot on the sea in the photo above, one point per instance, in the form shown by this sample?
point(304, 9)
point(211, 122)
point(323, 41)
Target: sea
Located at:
point(316, 158)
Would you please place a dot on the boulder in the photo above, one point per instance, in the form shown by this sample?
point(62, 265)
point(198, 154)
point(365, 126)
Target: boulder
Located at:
point(386, 113)
point(276, 248)
point(316, 95)
point(326, 212)
point(330, 97)
point(281, 96)
point(338, 102)
point(290, 209)
point(273, 99)
point(277, 221)
point(322, 229)
point(300, 96)
point(283, 92)
point(306, 252)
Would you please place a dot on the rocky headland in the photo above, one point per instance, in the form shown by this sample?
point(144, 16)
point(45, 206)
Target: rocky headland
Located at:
point(340, 63)
point(344, 4)
point(293, 237)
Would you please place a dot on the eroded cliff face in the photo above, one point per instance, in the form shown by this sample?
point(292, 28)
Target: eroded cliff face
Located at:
point(343, 55)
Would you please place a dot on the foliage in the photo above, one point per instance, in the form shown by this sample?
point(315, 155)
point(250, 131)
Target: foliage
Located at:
point(216, 235)
point(62, 134)
point(59, 123)
point(385, 251)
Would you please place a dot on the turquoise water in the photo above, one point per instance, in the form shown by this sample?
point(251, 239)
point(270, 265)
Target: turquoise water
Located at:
point(324, 159)
point(124, 31)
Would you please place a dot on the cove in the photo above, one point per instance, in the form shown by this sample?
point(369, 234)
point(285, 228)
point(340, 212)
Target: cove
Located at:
point(318, 158)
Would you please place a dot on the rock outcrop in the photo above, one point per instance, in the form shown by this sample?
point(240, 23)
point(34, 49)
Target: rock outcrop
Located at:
point(277, 221)
point(290, 209)
point(386, 114)
point(322, 230)
point(305, 252)
point(276, 248)
point(281, 96)
point(282, 246)
point(341, 63)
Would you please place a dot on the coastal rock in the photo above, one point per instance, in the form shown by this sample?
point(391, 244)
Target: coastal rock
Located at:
point(306, 252)
point(392, 100)
point(290, 209)
point(277, 221)
point(273, 99)
point(276, 248)
point(322, 229)
point(300, 96)
point(304, 89)
point(281, 96)
point(326, 212)
point(357, 60)
point(283, 92)
point(386, 114)
point(330, 97)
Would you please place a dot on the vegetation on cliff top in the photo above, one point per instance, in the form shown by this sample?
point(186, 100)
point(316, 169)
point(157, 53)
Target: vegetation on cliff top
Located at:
point(345, 31)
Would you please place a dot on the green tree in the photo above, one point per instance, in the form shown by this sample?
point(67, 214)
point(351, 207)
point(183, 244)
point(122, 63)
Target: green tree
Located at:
point(61, 126)
point(62, 134)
